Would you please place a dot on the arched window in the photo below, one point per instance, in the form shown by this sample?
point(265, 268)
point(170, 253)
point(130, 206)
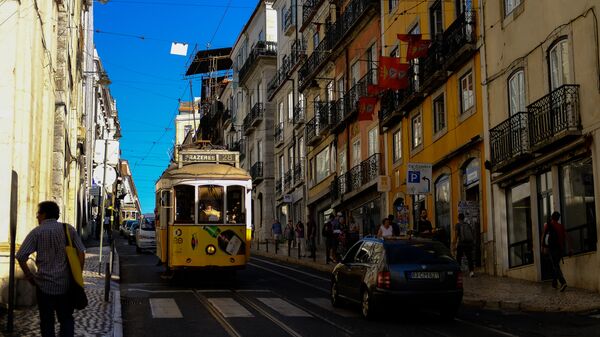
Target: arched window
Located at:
point(558, 63)
point(516, 92)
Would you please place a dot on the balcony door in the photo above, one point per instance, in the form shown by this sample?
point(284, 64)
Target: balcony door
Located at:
point(435, 20)
point(558, 59)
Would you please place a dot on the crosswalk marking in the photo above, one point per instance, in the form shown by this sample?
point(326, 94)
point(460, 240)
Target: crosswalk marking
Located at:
point(325, 303)
point(228, 307)
point(164, 308)
point(283, 307)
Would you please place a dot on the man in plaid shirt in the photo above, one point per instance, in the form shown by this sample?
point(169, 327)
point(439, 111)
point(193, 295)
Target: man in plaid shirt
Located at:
point(53, 275)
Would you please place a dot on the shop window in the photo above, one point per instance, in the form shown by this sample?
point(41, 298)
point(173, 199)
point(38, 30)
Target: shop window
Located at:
point(210, 204)
point(184, 204)
point(443, 215)
point(578, 204)
point(520, 244)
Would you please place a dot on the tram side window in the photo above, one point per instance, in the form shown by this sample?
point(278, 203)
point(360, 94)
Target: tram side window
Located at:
point(165, 203)
point(236, 204)
point(184, 204)
point(210, 204)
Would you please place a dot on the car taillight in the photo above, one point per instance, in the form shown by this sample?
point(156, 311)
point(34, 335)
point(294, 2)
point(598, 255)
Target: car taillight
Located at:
point(383, 279)
point(459, 280)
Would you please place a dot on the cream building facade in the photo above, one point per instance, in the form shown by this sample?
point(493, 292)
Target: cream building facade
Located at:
point(542, 98)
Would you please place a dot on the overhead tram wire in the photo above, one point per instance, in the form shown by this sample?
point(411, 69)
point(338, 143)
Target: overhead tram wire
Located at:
point(163, 3)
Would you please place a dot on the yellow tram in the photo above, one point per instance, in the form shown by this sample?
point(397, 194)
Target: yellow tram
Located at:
point(203, 211)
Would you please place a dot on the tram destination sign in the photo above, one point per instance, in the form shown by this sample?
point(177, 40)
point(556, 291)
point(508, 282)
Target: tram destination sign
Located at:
point(208, 158)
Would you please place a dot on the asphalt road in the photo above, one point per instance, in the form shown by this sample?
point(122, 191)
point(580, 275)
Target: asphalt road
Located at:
point(271, 299)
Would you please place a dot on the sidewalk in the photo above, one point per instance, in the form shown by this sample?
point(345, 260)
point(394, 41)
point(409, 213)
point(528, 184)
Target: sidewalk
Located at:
point(482, 291)
point(99, 318)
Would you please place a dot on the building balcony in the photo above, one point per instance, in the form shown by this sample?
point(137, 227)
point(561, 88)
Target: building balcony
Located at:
point(235, 146)
point(255, 116)
point(288, 180)
point(298, 114)
point(313, 136)
point(397, 103)
point(241, 144)
point(256, 172)
point(298, 53)
point(448, 53)
point(279, 135)
point(289, 20)
point(299, 173)
point(347, 106)
point(554, 117)
point(509, 140)
point(325, 116)
point(309, 9)
point(335, 34)
point(279, 78)
point(262, 49)
point(550, 120)
point(362, 174)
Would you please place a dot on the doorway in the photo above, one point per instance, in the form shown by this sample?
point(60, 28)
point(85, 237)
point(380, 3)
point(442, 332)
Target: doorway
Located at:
point(472, 210)
point(544, 210)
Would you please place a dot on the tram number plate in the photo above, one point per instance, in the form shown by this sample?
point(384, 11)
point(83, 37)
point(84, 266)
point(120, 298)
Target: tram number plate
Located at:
point(424, 275)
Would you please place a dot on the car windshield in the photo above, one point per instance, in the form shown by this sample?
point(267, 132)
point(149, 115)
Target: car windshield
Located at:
point(148, 225)
point(417, 252)
point(131, 223)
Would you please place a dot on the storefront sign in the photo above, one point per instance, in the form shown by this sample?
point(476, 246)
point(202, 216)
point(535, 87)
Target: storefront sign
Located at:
point(418, 178)
point(208, 158)
point(383, 184)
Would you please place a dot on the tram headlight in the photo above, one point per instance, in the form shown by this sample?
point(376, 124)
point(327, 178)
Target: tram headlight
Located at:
point(211, 249)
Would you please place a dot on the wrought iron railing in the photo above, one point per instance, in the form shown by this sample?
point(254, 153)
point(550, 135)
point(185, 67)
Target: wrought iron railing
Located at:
point(289, 18)
point(348, 104)
point(298, 52)
point(360, 175)
point(288, 180)
point(298, 117)
point(256, 171)
point(319, 55)
point(235, 146)
point(299, 172)
point(278, 187)
point(554, 114)
point(279, 133)
point(311, 130)
point(280, 76)
point(261, 48)
point(242, 148)
point(256, 114)
point(309, 8)
point(460, 33)
point(433, 62)
point(510, 138)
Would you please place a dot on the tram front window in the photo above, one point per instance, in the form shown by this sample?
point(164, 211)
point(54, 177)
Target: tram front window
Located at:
point(210, 204)
point(184, 204)
point(235, 204)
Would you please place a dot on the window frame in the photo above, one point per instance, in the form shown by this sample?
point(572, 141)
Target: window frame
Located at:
point(519, 75)
point(439, 126)
point(463, 108)
point(413, 144)
point(510, 204)
point(514, 4)
point(563, 42)
point(397, 145)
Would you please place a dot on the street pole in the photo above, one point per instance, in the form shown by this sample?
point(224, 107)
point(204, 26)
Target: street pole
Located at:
point(103, 202)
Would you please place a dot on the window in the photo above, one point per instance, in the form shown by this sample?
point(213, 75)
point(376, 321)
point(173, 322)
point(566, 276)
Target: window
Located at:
point(442, 204)
point(259, 150)
point(290, 106)
point(236, 204)
point(510, 5)
point(578, 204)
point(397, 144)
point(186, 129)
point(280, 112)
point(372, 63)
point(516, 92)
point(417, 131)
point(373, 141)
point(463, 6)
point(340, 87)
point(330, 96)
point(439, 114)
point(210, 204)
point(165, 202)
point(322, 164)
point(467, 99)
point(355, 73)
point(283, 13)
point(290, 158)
point(356, 152)
point(559, 64)
point(391, 5)
point(281, 171)
point(520, 244)
point(435, 18)
point(343, 162)
point(301, 153)
point(395, 52)
point(184, 204)
point(316, 39)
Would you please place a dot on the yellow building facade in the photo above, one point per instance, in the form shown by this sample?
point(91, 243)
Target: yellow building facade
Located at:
point(438, 119)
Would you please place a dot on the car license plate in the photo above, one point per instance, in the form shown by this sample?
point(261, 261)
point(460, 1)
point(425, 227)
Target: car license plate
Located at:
point(425, 275)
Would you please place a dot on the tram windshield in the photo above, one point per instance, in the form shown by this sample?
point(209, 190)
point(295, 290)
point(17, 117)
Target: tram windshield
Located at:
point(210, 203)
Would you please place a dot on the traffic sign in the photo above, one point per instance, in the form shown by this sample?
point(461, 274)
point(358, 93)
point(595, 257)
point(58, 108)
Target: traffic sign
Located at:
point(418, 178)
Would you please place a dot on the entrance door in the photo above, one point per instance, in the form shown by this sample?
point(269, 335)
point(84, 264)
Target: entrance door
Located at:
point(471, 175)
point(545, 210)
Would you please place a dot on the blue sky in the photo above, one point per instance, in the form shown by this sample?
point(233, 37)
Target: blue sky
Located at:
point(146, 80)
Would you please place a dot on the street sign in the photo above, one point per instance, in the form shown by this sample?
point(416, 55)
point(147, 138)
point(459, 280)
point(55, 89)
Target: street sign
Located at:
point(418, 178)
point(287, 198)
point(112, 153)
point(98, 174)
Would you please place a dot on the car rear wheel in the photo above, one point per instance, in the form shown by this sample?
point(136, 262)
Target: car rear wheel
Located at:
point(335, 296)
point(367, 308)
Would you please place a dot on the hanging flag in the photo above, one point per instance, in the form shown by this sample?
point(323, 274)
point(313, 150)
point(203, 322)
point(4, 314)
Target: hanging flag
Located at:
point(373, 89)
point(392, 73)
point(366, 108)
point(417, 49)
point(409, 37)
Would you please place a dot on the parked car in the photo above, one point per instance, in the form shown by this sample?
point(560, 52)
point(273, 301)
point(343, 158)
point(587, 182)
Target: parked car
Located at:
point(398, 271)
point(131, 233)
point(124, 229)
point(145, 237)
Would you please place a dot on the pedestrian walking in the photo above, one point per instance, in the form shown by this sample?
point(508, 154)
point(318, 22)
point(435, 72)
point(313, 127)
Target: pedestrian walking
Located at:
point(311, 235)
point(465, 242)
point(53, 277)
point(554, 243)
point(276, 232)
point(301, 239)
point(288, 234)
point(353, 233)
point(385, 230)
point(328, 235)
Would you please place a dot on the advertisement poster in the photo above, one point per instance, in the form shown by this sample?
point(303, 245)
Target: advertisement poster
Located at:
point(402, 218)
